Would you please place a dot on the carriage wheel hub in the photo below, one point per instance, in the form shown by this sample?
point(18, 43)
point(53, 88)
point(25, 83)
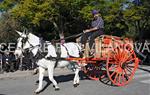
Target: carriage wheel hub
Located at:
point(123, 65)
point(119, 69)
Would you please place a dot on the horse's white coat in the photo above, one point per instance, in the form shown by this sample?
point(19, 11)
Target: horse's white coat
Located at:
point(72, 48)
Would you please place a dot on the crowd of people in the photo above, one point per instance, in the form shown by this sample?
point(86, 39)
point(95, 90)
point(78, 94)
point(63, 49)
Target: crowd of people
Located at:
point(9, 63)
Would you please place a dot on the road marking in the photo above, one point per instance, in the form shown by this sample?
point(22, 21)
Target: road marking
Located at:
point(145, 67)
point(146, 81)
point(147, 75)
point(140, 71)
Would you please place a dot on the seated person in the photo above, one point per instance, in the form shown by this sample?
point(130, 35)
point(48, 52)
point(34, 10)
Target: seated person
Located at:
point(97, 26)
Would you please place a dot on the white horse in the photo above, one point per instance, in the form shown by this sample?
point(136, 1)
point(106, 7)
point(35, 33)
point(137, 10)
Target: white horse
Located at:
point(67, 49)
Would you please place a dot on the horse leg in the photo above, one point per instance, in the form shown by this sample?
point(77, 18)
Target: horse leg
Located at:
point(51, 77)
point(76, 78)
point(41, 75)
point(35, 71)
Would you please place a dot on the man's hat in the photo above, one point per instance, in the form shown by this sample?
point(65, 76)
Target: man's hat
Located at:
point(95, 12)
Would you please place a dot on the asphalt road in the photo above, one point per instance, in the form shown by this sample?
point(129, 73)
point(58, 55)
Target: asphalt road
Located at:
point(25, 85)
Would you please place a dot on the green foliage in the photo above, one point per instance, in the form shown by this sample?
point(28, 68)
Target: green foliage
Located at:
point(34, 11)
point(7, 4)
point(50, 17)
point(8, 26)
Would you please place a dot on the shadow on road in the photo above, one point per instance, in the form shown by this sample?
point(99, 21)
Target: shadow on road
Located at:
point(70, 77)
point(59, 79)
point(144, 69)
point(62, 78)
point(2, 94)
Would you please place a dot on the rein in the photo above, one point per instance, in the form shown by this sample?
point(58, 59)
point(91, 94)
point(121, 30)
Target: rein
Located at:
point(73, 36)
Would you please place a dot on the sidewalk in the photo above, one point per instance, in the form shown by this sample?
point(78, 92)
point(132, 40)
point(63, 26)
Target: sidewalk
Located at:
point(15, 74)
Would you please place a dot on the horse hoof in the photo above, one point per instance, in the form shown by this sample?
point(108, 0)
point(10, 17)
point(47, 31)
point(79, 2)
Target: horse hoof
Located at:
point(75, 85)
point(36, 93)
point(57, 89)
point(36, 83)
point(35, 72)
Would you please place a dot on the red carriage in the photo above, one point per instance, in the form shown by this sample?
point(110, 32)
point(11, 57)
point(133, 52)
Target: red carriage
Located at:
point(113, 60)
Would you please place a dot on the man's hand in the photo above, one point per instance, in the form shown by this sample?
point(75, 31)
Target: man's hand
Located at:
point(85, 31)
point(90, 30)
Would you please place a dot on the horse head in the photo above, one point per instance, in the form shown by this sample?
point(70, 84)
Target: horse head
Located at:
point(26, 41)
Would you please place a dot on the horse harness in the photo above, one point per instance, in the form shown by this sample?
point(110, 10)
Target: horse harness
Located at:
point(41, 54)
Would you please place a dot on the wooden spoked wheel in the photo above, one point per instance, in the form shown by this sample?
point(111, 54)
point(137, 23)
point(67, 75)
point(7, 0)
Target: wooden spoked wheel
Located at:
point(92, 71)
point(121, 65)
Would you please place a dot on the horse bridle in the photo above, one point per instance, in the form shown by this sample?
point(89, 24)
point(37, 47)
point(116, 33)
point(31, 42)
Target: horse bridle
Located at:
point(23, 41)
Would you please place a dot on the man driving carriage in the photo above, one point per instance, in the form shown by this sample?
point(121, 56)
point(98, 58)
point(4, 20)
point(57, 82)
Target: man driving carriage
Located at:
point(97, 27)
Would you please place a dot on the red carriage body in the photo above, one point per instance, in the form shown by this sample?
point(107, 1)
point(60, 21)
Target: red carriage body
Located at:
point(114, 60)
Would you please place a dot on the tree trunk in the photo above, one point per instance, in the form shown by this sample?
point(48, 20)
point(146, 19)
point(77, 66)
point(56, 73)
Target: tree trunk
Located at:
point(60, 31)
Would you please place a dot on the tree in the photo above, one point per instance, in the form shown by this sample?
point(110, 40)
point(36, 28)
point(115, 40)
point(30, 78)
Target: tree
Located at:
point(122, 18)
point(52, 17)
point(60, 15)
point(8, 26)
